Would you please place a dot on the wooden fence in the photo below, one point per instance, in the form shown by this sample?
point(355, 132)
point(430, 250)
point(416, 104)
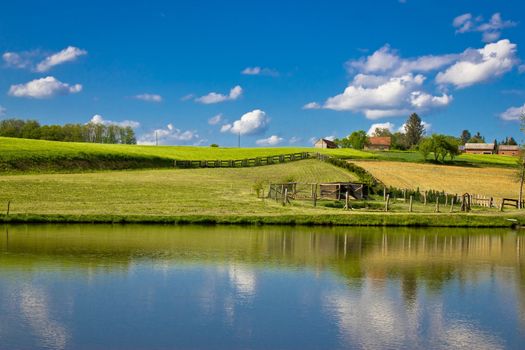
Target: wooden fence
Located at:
point(240, 163)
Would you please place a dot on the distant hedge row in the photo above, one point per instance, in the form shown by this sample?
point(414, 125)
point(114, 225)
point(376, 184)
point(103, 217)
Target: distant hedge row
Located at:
point(90, 132)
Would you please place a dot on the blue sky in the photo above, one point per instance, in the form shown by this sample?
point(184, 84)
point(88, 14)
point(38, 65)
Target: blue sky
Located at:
point(175, 66)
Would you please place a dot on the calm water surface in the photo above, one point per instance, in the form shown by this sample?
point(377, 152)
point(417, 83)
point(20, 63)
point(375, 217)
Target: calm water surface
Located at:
point(164, 287)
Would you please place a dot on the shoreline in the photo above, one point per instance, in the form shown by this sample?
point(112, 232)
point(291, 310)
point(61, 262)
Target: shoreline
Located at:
point(360, 219)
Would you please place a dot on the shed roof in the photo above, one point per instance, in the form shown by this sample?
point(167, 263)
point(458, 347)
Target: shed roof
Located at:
point(508, 148)
point(380, 140)
point(479, 146)
point(328, 142)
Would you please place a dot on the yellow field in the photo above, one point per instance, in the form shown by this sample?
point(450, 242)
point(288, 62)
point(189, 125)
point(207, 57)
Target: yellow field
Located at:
point(492, 182)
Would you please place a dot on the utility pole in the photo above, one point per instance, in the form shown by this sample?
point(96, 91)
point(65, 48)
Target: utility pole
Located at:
point(156, 139)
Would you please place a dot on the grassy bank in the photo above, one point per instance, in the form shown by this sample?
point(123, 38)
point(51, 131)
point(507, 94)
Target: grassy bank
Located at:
point(353, 219)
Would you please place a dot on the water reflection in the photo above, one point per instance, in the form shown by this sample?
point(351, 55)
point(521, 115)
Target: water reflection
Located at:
point(119, 287)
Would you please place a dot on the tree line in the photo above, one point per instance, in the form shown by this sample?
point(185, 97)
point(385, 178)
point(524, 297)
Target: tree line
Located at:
point(413, 138)
point(90, 132)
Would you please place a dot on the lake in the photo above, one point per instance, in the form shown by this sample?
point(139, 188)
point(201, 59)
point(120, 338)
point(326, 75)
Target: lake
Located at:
point(271, 287)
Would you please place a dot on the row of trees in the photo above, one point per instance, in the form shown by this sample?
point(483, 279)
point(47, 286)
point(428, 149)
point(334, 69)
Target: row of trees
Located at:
point(467, 137)
point(90, 132)
point(414, 133)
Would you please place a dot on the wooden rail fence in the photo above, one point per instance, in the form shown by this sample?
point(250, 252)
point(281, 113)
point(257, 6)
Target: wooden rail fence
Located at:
point(241, 163)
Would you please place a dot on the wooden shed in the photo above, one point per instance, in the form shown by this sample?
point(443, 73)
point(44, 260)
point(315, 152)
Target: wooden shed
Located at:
point(509, 150)
point(378, 143)
point(324, 143)
point(338, 190)
point(479, 148)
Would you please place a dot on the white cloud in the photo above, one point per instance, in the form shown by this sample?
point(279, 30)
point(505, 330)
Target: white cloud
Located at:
point(68, 54)
point(378, 97)
point(476, 66)
point(387, 61)
point(251, 123)
point(312, 105)
point(187, 97)
point(329, 137)
point(260, 71)
point(215, 119)
point(148, 97)
point(373, 127)
point(491, 30)
point(270, 141)
point(294, 139)
point(98, 119)
point(18, 59)
point(214, 97)
point(169, 135)
point(43, 88)
point(513, 113)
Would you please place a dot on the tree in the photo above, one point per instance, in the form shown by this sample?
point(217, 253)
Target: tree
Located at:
point(465, 136)
point(399, 141)
point(425, 147)
point(358, 139)
point(414, 130)
point(477, 138)
point(382, 132)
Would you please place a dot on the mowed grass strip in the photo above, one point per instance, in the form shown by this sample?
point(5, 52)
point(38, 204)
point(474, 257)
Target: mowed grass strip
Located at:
point(162, 192)
point(487, 181)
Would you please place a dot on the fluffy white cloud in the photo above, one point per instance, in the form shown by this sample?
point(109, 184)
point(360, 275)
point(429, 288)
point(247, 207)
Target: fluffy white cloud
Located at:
point(214, 97)
point(68, 54)
point(215, 119)
point(373, 127)
point(169, 135)
point(312, 105)
point(98, 119)
point(387, 61)
point(148, 97)
point(260, 71)
point(476, 66)
point(513, 113)
point(491, 30)
point(43, 88)
point(378, 97)
point(251, 123)
point(270, 141)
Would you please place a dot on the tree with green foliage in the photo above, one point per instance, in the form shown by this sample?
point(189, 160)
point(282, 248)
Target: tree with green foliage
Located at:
point(465, 136)
point(90, 132)
point(358, 139)
point(414, 130)
point(382, 132)
point(425, 147)
point(477, 138)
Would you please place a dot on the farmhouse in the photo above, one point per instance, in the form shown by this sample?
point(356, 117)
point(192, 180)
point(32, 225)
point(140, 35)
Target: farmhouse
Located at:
point(479, 148)
point(379, 143)
point(324, 143)
point(509, 150)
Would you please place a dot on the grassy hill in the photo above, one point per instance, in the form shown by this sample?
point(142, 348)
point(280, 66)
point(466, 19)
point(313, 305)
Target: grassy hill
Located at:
point(24, 155)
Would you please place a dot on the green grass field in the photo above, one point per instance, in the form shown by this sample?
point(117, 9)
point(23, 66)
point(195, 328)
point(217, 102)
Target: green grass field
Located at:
point(22, 155)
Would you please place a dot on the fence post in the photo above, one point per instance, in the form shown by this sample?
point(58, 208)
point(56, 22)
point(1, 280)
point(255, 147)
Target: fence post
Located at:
point(452, 205)
point(347, 203)
point(387, 201)
point(384, 193)
point(437, 205)
point(8, 207)
point(410, 205)
point(425, 198)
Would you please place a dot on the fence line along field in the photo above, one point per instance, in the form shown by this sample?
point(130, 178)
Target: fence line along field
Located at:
point(488, 181)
